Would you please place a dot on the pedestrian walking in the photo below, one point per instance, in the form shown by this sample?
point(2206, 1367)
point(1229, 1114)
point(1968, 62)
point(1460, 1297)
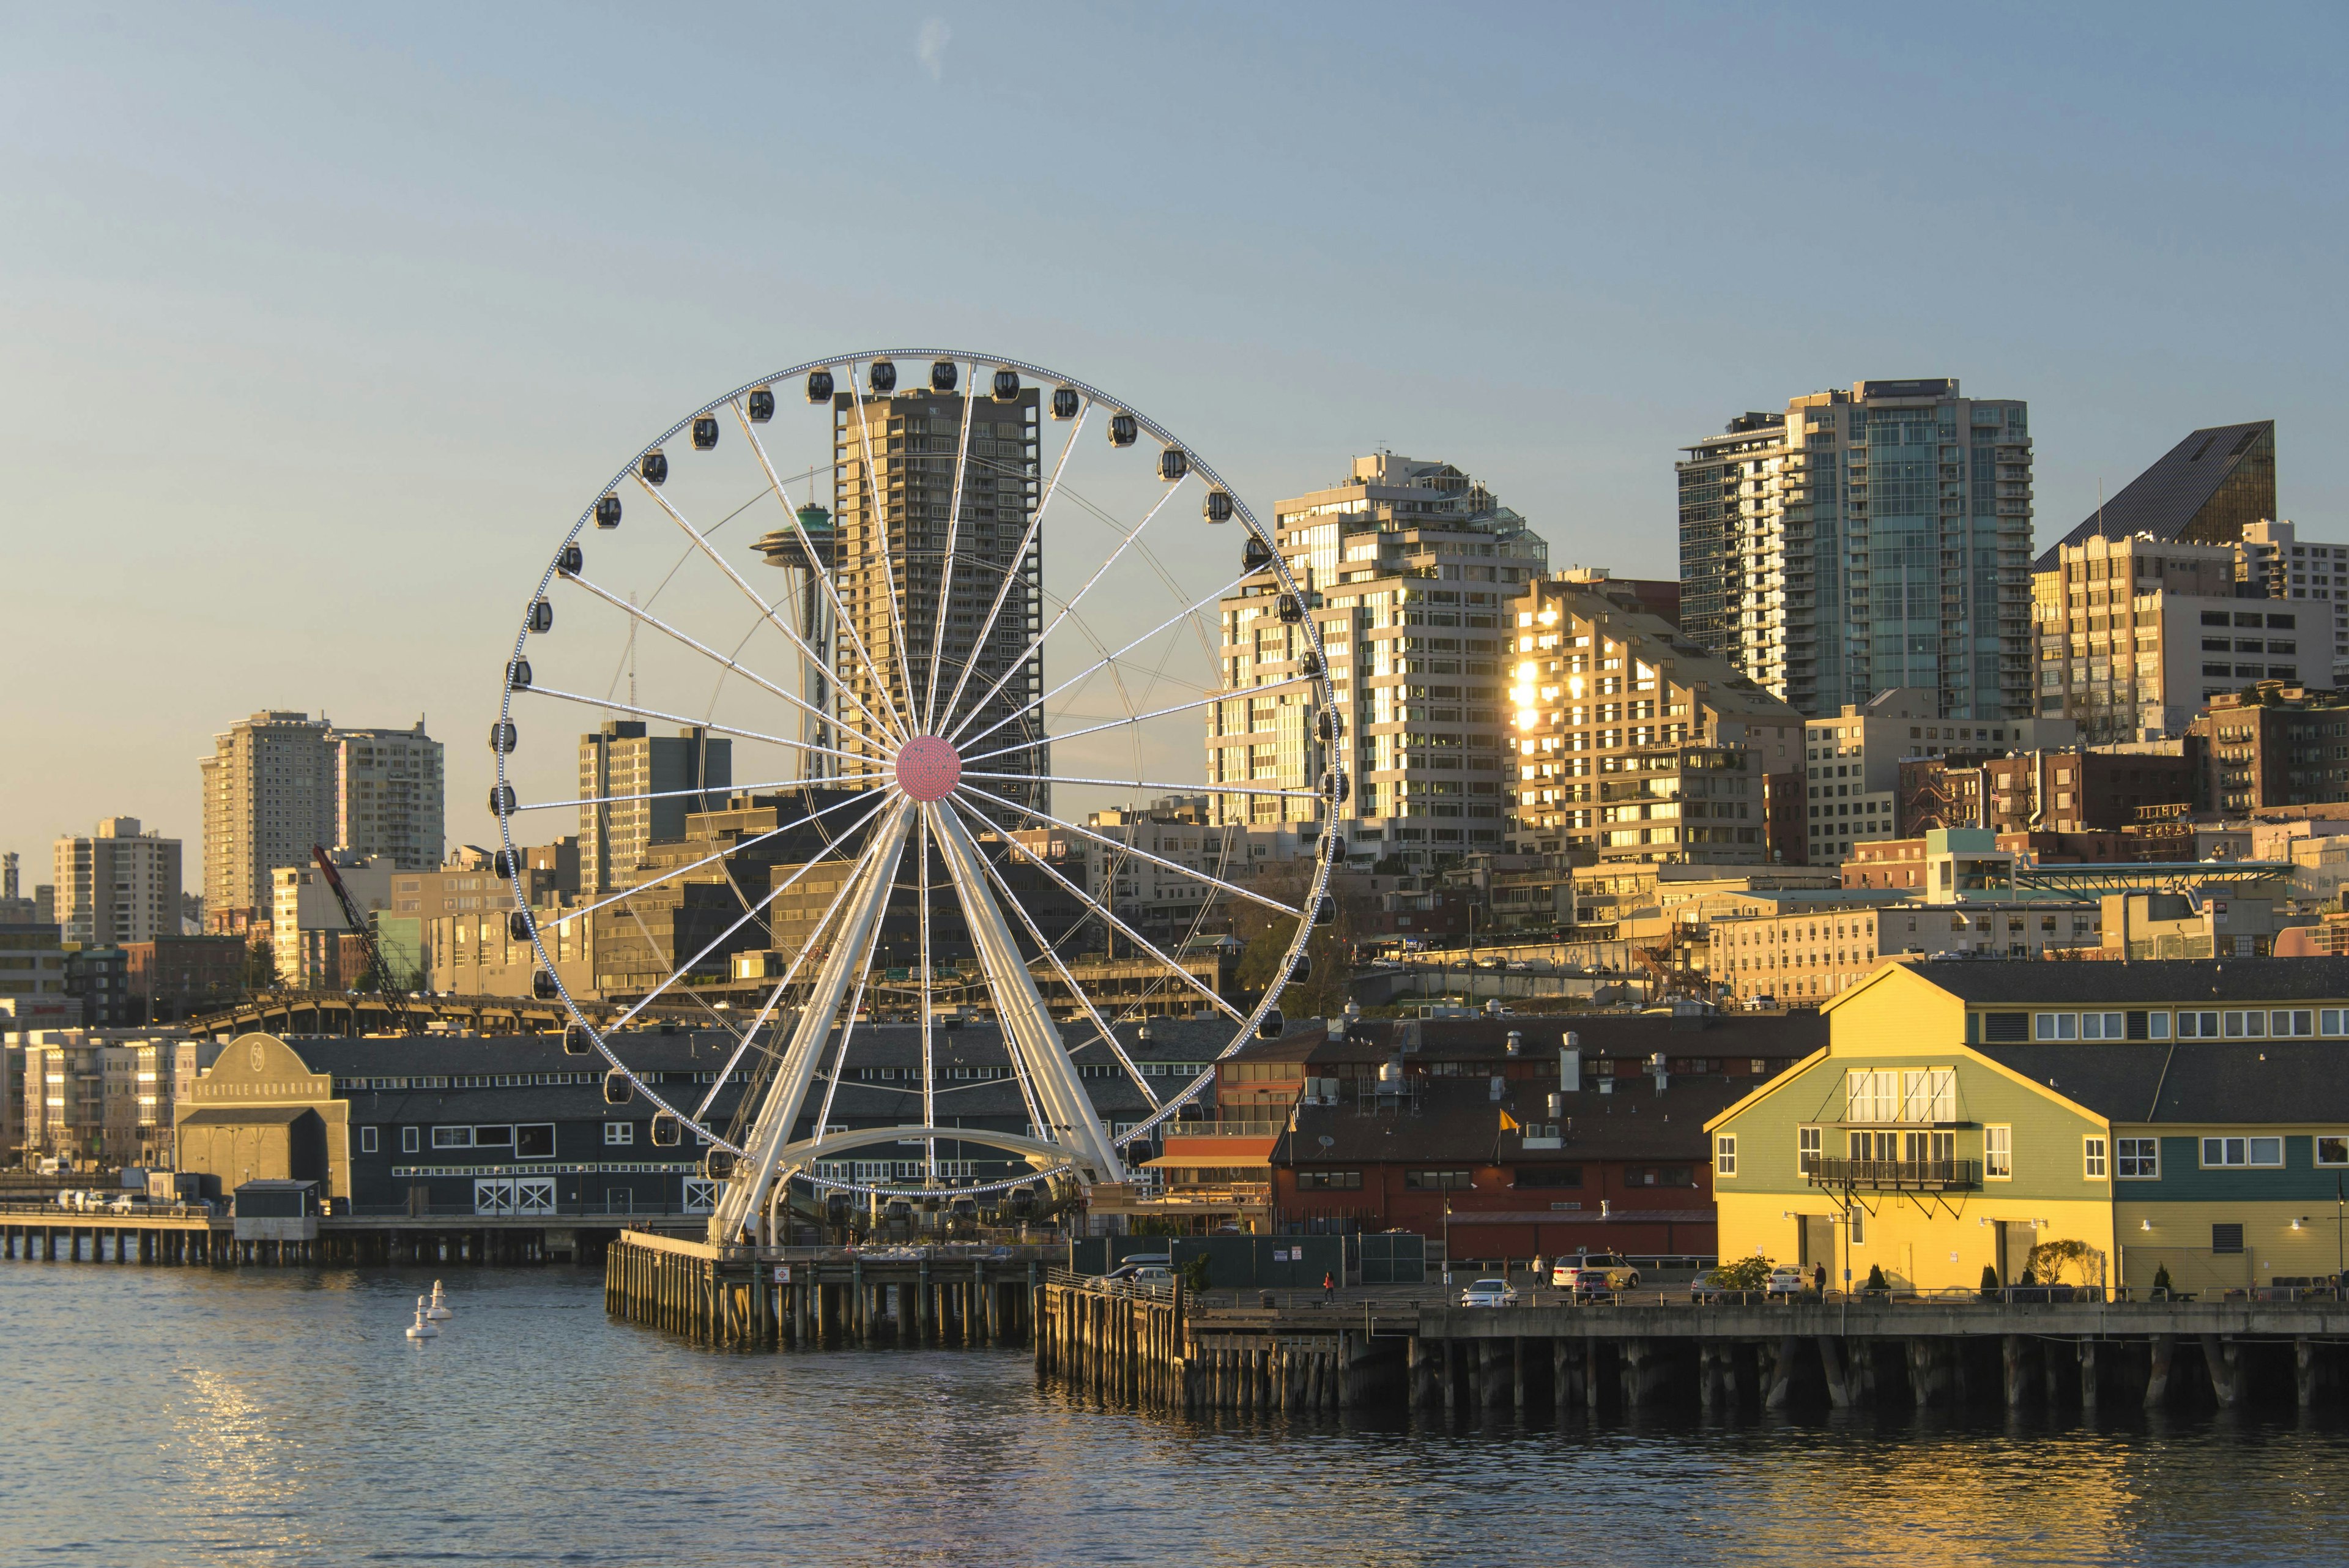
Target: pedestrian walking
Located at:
point(1328, 1287)
point(1819, 1277)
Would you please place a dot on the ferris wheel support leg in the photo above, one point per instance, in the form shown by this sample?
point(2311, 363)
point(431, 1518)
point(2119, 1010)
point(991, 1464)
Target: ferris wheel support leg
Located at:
point(1028, 1026)
point(754, 1175)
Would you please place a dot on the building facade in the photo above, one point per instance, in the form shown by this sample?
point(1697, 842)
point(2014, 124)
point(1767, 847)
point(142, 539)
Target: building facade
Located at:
point(2206, 490)
point(1631, 743)
point(269, 797)
point(2137, 636)
point(117, 884)
point(306, 926)
point(895, 473)
point(622, 758)
point(1866, 540)
point(2271, 555)
point(1408, 568)
point(2050, 791)
point(2273, 745)
point(389, 795)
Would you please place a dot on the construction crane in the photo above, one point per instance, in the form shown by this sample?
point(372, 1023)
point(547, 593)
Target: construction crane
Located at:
point(379, 973)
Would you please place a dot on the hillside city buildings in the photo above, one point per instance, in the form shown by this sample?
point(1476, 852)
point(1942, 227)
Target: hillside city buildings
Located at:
point(637, 789)
point(1865, 540)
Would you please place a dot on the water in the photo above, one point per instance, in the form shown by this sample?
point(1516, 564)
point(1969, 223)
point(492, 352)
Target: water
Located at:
point(168, 1417)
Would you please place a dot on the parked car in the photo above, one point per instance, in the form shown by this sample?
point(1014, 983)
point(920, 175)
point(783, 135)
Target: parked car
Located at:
point(1785, 1279)
point(128, 1203)
point(1707, 1288)
point(1136, 1262)
point(1489, 1293)
point(1594, 1271)
point(1151, 1274)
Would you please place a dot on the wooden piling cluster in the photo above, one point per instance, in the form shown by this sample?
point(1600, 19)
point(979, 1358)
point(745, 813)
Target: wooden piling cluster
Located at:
point(69, 1238)
point(1121, 1341)
point(762, 1299)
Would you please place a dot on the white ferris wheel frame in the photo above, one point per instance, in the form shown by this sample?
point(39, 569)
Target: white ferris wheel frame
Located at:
point(1073, 1141)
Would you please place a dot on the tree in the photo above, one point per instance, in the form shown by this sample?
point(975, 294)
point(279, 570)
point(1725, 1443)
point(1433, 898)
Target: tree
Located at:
point(1743, 1273)
point(2050, 1259)
point(1876, 1280)
point(2161, 1278)
point(1989, 1280)
point(1267, 935)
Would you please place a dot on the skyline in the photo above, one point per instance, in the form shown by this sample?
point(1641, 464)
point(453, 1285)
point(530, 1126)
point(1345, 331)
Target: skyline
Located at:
point(427, 286)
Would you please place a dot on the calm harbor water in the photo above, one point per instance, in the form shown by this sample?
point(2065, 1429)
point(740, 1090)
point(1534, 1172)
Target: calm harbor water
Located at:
point(165, 1416)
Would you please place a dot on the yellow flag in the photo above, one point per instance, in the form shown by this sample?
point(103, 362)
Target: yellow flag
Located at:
point(1509, 1123)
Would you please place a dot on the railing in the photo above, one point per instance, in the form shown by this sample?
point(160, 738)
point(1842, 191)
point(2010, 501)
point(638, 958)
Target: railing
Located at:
point(1135, 1290)
point(56, 1211)
point(1894, 1175)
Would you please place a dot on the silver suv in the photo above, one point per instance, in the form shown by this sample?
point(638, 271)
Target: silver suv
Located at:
point(1594, 1271)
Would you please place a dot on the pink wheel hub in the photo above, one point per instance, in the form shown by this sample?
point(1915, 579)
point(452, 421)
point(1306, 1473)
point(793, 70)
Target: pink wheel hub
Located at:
point(928, 767)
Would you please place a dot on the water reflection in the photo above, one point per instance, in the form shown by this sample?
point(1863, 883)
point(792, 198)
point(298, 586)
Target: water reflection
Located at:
point(164, 1415)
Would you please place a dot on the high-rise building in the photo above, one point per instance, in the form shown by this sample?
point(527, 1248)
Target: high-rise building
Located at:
point(1409, 567)
point(1852, 763)
point(269, 792)
point(307, 926)
point(621, 759)
point(2206, 490)
point(2273, 554)
point(1864, 540)
point(117, 884)
point(15, 908)
point(889, 545)
point(387, 795)
point(1633, 743)
point(2138, 634)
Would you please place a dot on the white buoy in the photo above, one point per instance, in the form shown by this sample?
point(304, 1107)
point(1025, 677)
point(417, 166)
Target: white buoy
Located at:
point(421, 1329)
point(438, 1311)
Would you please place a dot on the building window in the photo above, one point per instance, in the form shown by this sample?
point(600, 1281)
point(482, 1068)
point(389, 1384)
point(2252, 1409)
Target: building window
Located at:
point(367, 1140)
point(2055, 1026)
point(2198, 1026)
point(2283, 1023)
point(1808, 1142)
point(1435, 1180)
point(1724, 1155)
point(619, 1133)
point(2092, 1158)
point(535, 1140)
point(1857, 1225)
point(1328, 1181)
point(2333, 1148)
point(2103, 1025)
point(1998, 1153)
point(2226, 1238)
point(2139, 1158)
point(2225, 1153)
point(2333, 1021)
point(2246, 1025)
point(1552, 1176)
point(452, 1137)
point(408, 1140)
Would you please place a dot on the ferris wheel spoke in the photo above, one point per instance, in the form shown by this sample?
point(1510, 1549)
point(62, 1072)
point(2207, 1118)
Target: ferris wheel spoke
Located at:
point(874, 513)
point(1190, 609)
point(929, 1068)
point(619, 707)
point(743, 920)
point(823, 576)
point(840, 1053)
point(560, 803)
point(1209, 700)
point(1153, 783)
point(1102, 1025)
point(851, 950)
point(701, 542)
point(753, 676)
point(1109, 918)
point(791, 971)
point(946, 568)
point(1026, 541)
point(1027, 1024)
point(569, 915)
point(1067, 608)
point(1137, 853)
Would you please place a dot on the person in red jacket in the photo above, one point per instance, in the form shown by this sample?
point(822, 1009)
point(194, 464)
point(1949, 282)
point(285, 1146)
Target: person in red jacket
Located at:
point(1329, 1288)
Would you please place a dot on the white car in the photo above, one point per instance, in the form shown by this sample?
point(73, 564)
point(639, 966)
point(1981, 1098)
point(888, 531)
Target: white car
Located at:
point(1785, 1279)
point(1489, 1293)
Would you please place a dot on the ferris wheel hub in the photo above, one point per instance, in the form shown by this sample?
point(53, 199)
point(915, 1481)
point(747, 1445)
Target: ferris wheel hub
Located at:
point(928, 768)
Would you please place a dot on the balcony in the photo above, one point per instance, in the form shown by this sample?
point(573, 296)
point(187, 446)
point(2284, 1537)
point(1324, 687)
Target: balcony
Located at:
point(1894, 1175)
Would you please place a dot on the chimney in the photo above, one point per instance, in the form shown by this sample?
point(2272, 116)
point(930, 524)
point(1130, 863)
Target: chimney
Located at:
point(1659, 1064)
point(1500, 1085)
point(1569, 1064)
point(1606, 1085)
point(1516, 1040)
point(1556, 1106)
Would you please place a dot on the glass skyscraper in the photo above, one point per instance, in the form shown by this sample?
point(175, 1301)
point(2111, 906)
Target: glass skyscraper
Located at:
point(1866, 540)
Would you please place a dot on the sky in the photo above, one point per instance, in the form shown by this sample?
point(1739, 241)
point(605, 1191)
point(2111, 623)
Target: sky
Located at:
point(319, 325)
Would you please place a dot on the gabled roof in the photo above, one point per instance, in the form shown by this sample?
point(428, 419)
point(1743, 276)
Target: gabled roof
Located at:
point(2164, 500)
point(2211, 983)
point(2196, 1083)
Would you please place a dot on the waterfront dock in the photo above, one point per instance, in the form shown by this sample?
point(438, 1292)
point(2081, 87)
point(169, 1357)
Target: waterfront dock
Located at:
point(197, 1235)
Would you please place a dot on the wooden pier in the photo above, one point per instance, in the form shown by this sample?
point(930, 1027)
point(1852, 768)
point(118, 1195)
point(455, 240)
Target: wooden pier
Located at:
point(778, 1297)
point(193, 1235)
point(1162, 1350)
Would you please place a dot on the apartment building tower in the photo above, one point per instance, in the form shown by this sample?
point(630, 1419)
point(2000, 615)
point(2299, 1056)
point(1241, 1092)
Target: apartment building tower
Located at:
point(889, 544)
point(1409, 567)
point(269, 796)
point(2138, 635)
point(117, 884)
point(2273, 555)
point(1865, 540)
point(1631, 743)
point(389, 795)
point(667, 775)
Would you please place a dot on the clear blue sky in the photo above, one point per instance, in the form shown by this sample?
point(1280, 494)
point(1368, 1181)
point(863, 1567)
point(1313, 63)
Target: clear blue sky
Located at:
point(318, 325)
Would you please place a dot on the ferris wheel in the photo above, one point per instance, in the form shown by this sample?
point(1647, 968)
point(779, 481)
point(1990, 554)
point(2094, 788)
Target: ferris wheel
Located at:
point(832, 675)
